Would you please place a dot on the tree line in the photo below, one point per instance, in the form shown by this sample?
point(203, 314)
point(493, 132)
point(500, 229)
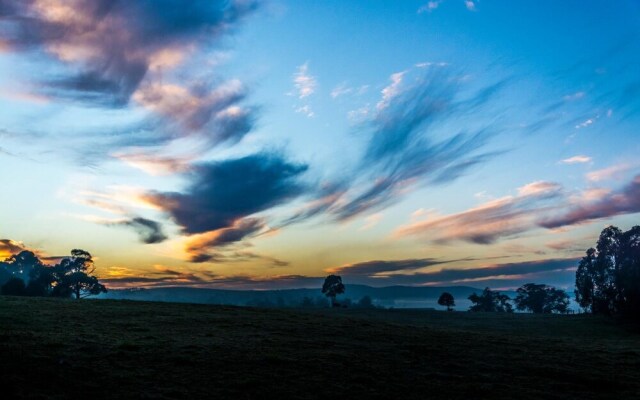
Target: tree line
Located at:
point(24, 274)
point(607, 282)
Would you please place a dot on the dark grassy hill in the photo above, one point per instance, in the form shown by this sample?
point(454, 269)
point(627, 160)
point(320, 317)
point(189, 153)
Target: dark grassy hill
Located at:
point(120, 349)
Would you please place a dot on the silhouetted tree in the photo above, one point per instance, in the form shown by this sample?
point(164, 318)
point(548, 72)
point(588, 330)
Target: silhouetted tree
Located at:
point(541, 299)
point(22, 264)
point(608, 277)
point(365, 302)
point(13, 287)
point(490, 301)
point(332, 287)
point(41, 280)
point(446, 300)
point(73, 276)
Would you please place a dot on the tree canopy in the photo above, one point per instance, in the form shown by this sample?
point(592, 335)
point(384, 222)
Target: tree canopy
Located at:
point(332, 287)
point(608, 276)
point(446, 300)
point(541, 299)
point(25, 274)
point(490, 301)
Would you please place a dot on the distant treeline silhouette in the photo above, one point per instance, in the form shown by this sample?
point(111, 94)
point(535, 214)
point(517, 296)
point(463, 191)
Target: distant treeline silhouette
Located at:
point(24, 274)
point(312, 302)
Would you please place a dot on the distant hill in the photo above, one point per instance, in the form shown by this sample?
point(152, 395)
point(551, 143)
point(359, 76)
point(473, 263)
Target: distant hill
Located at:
point(390, 296)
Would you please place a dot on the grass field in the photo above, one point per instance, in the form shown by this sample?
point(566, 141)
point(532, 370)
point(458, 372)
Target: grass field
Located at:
point(52, 348)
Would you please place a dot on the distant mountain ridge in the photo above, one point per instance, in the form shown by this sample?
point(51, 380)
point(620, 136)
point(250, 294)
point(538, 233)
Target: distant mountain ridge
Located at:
point(389, 296)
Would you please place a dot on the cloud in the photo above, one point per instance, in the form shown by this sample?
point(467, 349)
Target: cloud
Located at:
point(508, 270)
point(154, 164)
point(149, 231)
point(341, 90)
point(430, 6)
point(392, 90)
point(574, 96)
point(160, 277)
point(504, 275)
point(492, 220)
point(105, 48)
point(471, 6)
point(10, 247)
point(371, 221)
point(210, 109)
point(409, 143)
point(306, 110)
point(403, 150)
point(200, 247)
point(380, 267)
point(581, 159)
point(613, 172)
point(624, 201)
point(222, 192)
point(304, 82)
point(205, 279)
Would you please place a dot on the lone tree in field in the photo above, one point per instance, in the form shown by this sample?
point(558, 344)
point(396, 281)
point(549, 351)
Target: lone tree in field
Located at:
point(541, 299)
point(446, 300)
point(608, 277)
point(73, 276)
point(332, 287)
point(490, 301)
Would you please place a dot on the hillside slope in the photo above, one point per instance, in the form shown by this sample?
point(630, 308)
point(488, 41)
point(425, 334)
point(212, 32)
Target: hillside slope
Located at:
point(120, 349)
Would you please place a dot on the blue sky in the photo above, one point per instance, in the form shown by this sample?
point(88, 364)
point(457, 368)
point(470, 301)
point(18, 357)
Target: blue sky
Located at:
point(267, 143)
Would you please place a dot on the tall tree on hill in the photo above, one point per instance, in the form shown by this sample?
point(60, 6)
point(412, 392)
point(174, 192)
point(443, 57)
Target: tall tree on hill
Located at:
point(332, 287)
point(541, 299)
point(446, 300)
point(490, 301)
point(73, 276)
point(608, 276)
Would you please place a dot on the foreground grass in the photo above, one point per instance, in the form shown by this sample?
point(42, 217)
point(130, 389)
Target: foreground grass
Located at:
point(118, 349)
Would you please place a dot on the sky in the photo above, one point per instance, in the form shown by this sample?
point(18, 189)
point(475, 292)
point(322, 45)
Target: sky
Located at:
point(267, 144)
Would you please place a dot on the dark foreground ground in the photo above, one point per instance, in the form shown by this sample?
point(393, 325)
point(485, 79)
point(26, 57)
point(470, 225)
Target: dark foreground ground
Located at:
point(118, 349)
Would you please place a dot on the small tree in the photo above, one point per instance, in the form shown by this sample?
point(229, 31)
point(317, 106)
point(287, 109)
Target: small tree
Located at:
point(490, 301)
point(73, 276)
point(366, 302)
point(332, 287)
point(446, 300)
point(541, 299)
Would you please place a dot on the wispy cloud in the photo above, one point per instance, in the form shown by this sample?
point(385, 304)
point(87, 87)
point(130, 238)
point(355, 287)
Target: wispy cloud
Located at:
point(402, 150)
point(408, 272)
point(148, 230)
point(384, 267)
point(341, 90)
point(392, 90)
point(623, 201)
point(430, 6)
point(202, 248)
point(306, 110)
point(490, 221)
point(580, 159)
point(304, 82)
point(612, 172)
